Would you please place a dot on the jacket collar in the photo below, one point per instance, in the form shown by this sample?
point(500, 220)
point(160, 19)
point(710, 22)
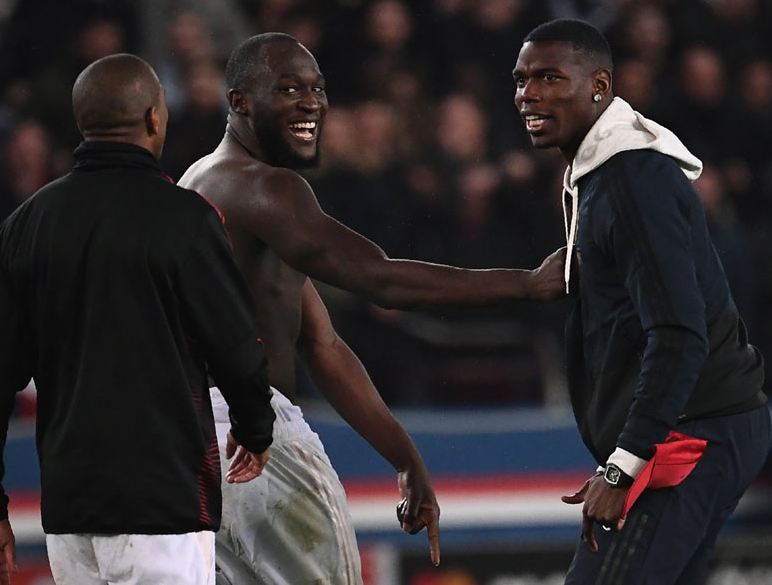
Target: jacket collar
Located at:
point(618, 129)
point(92, 155)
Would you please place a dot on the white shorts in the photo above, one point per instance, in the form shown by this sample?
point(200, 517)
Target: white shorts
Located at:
point(291, 525)
point(132, 559)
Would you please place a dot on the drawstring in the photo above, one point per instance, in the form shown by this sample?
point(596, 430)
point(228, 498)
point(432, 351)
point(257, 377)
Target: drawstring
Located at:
point(571, 230)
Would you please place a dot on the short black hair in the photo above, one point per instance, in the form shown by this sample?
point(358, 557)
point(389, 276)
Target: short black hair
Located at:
point(583, 36)
point(112, 95)
point(243, 64)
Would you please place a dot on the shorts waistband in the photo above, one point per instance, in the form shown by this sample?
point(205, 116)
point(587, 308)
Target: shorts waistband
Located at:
point(290, 423)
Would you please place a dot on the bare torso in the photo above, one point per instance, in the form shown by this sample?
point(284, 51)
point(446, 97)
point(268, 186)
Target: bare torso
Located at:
point(227, 178)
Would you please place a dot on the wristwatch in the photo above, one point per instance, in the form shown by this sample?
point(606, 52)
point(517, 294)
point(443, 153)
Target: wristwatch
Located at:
point(617, 478)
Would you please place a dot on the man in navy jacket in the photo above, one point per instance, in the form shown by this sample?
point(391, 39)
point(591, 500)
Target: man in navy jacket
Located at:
point(655, 343)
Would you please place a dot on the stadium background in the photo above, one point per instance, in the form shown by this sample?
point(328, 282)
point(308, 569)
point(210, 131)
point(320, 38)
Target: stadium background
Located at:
point(423, 153)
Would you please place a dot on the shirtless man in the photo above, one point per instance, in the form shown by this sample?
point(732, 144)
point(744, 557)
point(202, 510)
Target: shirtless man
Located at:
point(281, 238)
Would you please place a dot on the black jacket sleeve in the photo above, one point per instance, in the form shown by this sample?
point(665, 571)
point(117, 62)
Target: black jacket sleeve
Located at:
point(15, 366)
point(649, 236)
point(217, 301)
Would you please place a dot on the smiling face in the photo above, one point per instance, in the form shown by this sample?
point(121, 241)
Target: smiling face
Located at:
point(555, 85)
point(287, 105)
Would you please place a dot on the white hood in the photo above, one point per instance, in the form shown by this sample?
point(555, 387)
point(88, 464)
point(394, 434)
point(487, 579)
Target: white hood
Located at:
point(618, 129)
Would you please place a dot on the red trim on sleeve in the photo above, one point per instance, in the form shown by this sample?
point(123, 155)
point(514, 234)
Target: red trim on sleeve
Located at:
point(217, 209)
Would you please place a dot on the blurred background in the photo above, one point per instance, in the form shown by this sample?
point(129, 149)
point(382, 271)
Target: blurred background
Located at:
point(424, 153)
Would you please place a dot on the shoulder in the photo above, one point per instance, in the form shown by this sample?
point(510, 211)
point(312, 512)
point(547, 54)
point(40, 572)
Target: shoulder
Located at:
point(177, 208)
point(646, 178)
point(277, 180)
point(639, 165)
point(37, 203)
point(275, 194)
point(186, 197)
point(236, 182)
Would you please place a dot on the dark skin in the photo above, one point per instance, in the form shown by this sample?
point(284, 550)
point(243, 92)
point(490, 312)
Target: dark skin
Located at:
point(557, 83)
point(555, 86)
point(282, 237)
point(119, 99)
point(7, 552)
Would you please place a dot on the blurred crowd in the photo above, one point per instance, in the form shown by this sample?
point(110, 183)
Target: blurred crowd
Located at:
point(423, 151)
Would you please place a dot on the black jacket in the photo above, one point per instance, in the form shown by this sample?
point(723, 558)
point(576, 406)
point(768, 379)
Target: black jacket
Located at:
point(654, 336)
point(117, 291)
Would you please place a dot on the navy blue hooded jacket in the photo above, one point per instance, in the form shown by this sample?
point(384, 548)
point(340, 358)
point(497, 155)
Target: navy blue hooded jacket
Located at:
point(654, 336)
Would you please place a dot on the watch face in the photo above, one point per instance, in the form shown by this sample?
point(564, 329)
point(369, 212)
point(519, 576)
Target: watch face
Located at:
point(612, 475)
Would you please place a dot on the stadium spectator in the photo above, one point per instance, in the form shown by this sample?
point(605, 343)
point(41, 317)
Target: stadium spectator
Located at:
point(198, 120)
point(27, 163)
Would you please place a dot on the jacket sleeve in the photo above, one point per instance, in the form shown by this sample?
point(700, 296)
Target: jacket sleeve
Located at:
point(15, 366)
point(217, 302)
point(652, 208)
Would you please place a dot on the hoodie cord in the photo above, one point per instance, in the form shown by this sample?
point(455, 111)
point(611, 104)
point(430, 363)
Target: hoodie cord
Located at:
point(571, 230)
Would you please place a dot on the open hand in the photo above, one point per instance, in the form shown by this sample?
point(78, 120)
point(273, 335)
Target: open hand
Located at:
point(419, 507)
point(245, 465)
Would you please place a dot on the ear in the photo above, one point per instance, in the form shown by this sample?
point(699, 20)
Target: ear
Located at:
point(152, 121)
point(238, 101)
point(601, 82)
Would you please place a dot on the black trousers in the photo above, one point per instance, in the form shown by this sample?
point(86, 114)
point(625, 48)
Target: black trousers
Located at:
point(670, 534)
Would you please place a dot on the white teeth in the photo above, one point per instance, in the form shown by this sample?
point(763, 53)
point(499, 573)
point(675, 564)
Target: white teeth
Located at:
point(304, 125)
point(534, 122)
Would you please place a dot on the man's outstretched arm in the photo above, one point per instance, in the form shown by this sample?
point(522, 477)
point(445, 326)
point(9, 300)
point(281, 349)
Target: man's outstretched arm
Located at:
point(287, 217)
point(342, 379)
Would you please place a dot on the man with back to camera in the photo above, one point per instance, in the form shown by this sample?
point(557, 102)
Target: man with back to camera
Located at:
point(119, 293)
point(656, 349)
point(281, 238)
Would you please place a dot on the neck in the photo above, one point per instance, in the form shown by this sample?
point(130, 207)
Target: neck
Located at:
point(142, 142)
point(569, 151)
point(239, 130)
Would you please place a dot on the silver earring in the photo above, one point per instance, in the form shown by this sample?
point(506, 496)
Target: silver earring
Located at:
point(597, 97)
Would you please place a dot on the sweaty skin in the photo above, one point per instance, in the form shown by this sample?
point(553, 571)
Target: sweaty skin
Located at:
point(281, 237)
point(234, 182)
point(292, 319)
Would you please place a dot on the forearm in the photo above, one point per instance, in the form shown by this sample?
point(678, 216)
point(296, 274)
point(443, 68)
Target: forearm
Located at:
point(342, 379)
point(243, 380)
point(411, 284)
point(328, 251)
point(670, 368)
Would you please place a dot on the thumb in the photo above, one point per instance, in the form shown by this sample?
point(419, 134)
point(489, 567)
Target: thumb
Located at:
point(576, 498)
